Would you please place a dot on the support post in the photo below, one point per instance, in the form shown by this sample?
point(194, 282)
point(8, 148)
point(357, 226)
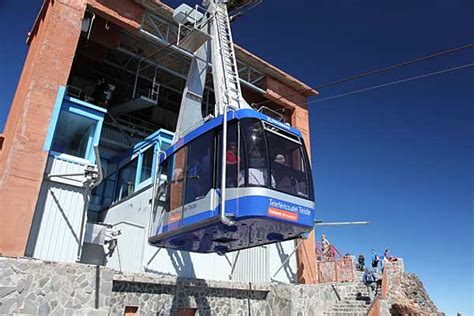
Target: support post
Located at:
point(306, 254)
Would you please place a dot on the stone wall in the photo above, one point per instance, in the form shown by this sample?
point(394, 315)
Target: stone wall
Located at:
point(415, 292)
point(342, 270)
point(35, 287)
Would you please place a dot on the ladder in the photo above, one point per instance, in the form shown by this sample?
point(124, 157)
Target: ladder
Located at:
point(224, 63)
point(155, 88)
point(209, 38)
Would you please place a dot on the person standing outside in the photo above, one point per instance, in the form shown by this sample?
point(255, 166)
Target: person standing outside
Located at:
point(370, 280)
point(375, 261)
point(325, 246)
point(361, 263)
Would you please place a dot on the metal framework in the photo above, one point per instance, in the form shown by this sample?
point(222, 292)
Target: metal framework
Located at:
point(166, 33)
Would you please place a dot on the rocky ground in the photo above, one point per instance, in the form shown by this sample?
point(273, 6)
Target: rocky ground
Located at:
point(414, 300)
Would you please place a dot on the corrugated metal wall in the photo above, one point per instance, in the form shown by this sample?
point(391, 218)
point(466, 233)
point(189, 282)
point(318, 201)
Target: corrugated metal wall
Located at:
point(252, 265)
point(56, 228)
point(128, 255)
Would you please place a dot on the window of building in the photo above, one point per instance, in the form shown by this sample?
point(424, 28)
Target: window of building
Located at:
point(126, 180)
point(74, 128)
point(74, 134)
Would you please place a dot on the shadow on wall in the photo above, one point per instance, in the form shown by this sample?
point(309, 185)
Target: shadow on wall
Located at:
point(182, 299)
point(48, 189)
point(182, 263)
point(290, 274)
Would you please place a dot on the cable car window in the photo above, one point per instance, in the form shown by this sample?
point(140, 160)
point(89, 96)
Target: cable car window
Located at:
point(176, 182)
point(199, 168)
point(288, 165)
point(147, 162)
point(165, 184)
point(235, 159)
point(257, 173)
point(126, 180)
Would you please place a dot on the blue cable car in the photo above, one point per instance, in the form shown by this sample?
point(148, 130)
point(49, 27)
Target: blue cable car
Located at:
point(263, 175)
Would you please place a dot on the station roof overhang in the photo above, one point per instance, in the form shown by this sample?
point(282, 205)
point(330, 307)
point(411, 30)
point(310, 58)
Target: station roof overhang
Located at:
point(243, 55)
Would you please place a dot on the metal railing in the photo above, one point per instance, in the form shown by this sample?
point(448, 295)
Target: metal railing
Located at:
point(333, 267)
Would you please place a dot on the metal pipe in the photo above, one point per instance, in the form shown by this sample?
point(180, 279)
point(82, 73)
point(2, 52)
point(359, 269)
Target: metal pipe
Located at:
point(319, 223)
point(224, 219)
point(89, 189)
point(90, 26)
point(152, 258)
point(233, 265)
point(136, 80)
point(64, 175)
point(99, 167)
point(154, 192)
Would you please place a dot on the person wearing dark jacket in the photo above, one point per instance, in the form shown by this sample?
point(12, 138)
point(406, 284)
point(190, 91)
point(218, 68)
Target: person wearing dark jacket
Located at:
point(370, 279)
point(361, 262)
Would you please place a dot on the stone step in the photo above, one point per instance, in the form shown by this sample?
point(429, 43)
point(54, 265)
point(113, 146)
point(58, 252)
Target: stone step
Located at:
point(348, 309)
point(354, 302)
point(349, 313)
point(355, 307)
point(365, 306)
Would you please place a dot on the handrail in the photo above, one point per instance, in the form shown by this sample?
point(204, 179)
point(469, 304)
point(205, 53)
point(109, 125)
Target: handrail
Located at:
point(89, 187)
point(224, 219)
point(319, 252)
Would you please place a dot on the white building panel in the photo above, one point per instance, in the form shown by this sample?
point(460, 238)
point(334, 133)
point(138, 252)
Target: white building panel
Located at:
point(278, 254)
point(128, 255)
point(56, 230)
point(131, 216)
point(252, 265)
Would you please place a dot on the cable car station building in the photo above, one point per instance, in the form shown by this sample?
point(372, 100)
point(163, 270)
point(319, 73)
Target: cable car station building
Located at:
point(109, 75)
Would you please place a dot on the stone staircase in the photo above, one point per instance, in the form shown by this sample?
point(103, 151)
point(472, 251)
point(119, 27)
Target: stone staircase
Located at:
point(355, 302)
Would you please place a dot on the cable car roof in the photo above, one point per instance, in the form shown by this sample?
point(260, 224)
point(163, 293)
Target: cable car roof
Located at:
point(216, 122)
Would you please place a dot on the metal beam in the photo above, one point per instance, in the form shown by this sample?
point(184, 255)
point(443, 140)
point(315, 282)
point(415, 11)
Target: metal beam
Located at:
point(141, 76)
point(320, 223)
point(189, 55)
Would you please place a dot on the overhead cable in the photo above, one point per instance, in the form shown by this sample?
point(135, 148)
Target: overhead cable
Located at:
point(393, 83)
point(376, 71)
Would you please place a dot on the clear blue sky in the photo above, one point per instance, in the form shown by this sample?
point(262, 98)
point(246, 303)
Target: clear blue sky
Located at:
point(400, 157)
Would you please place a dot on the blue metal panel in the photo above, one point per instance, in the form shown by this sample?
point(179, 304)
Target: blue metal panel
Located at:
point(76, 106)
point(158, 140)
point(54, 118)
point(259, 220)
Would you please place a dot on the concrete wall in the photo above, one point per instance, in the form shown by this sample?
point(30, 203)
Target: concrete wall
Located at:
point(37, 287)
